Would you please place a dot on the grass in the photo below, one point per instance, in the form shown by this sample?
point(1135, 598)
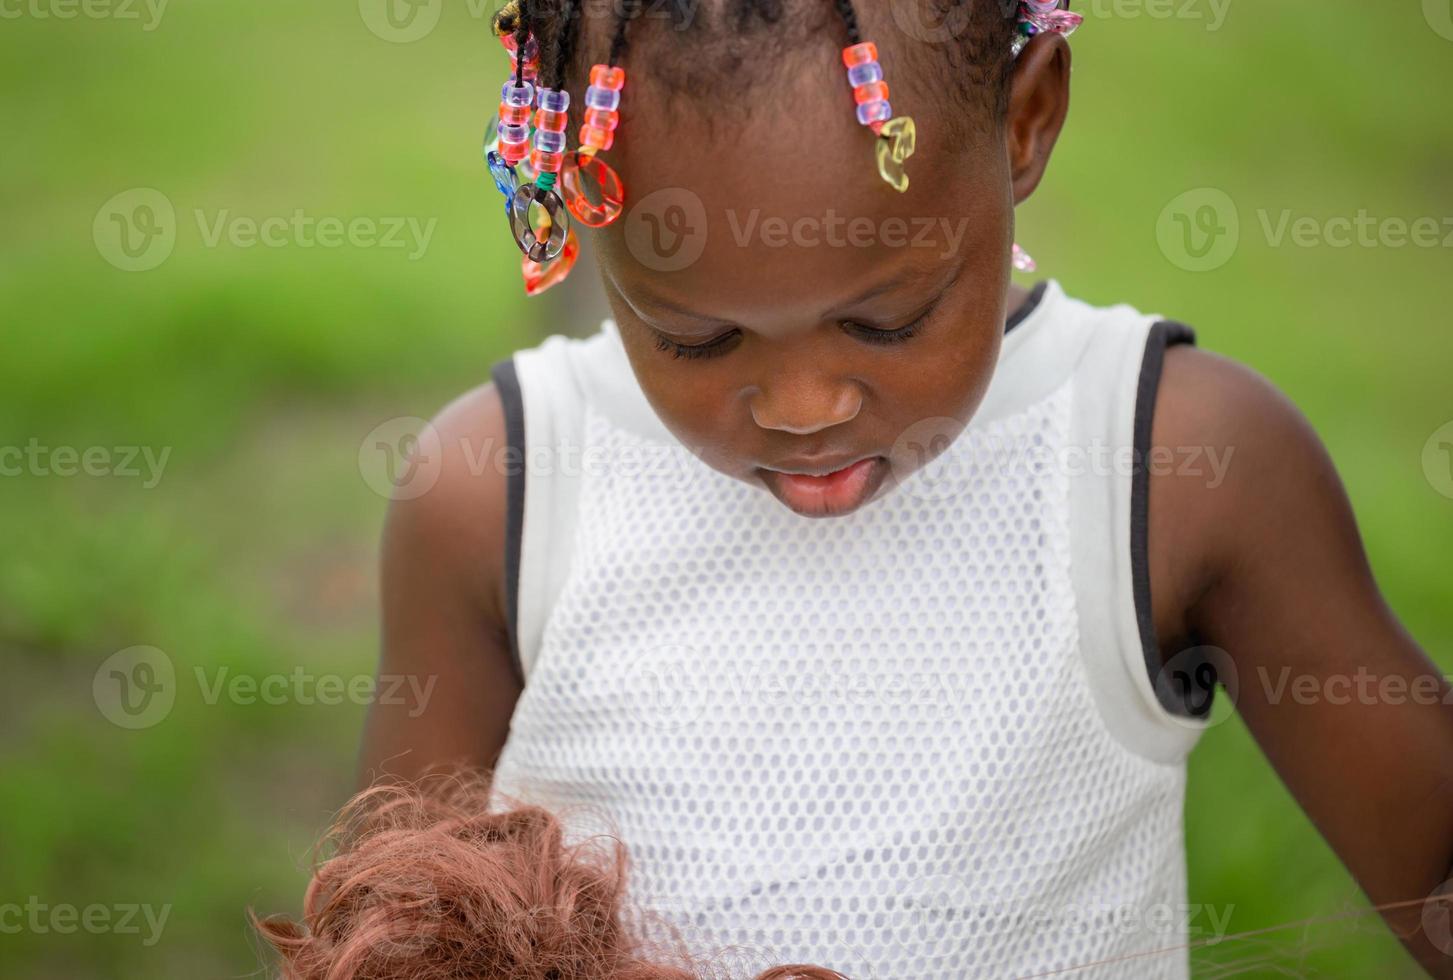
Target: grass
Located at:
point(261, 370)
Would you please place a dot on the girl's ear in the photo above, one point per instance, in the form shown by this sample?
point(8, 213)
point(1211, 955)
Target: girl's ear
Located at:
point(1039, 99)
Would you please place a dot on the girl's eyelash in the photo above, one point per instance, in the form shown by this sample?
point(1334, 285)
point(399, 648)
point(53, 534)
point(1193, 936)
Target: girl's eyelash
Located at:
point(717, 345)
point(874, 335)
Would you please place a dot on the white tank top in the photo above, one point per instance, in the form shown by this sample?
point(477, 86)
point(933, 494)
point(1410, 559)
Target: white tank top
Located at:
point(920, 740)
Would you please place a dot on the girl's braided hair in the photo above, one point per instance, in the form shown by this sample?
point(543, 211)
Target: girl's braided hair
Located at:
point(696, 45)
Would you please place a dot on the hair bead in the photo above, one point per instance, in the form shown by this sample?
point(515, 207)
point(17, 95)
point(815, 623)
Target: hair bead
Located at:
point(528, 155)
point(895, 142)
point(602, 98)
point(865, 74)
point(1044, 17)
point(550, 122)
point(863, 53)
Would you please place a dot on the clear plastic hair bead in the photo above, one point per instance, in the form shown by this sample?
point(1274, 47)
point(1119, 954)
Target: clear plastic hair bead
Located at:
point(554, 99)
point(602, 98)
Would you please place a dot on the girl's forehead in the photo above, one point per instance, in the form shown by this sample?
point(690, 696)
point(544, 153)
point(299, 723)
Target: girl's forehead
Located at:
point(787, 202)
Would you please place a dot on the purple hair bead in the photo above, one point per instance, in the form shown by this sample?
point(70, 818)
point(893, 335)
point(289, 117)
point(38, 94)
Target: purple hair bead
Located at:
point(554, 99)
point(865, 74)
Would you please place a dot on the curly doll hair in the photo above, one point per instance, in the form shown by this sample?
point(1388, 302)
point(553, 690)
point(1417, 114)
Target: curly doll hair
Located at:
point(435, 882)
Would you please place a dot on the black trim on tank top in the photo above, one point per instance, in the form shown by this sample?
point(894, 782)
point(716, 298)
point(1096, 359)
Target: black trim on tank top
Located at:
point(507, 384)
point(1031, 303)
point(1183, 700)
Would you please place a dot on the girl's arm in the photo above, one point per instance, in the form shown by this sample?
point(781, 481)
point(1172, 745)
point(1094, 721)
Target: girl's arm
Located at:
point(1267, 565)
point(444, 623)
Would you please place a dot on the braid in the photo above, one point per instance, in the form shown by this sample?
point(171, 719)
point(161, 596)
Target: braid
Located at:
point(562, 44)
point(629, 10)
point(850, 19)
point(570, 36)
point(522, 31)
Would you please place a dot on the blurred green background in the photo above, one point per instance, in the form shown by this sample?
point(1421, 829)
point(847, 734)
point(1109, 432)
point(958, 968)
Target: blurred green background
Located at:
point(262, 370)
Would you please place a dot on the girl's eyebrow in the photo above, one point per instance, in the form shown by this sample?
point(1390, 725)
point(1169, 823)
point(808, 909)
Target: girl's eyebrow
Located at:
point(910, 277)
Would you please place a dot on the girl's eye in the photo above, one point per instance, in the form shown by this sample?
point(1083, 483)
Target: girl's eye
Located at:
point(876, 335)
point(713, 347)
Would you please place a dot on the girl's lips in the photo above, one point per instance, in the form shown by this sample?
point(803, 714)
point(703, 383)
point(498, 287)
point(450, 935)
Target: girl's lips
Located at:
point(832, 494)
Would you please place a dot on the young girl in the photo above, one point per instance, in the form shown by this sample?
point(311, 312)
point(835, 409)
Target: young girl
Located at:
point(876, 600)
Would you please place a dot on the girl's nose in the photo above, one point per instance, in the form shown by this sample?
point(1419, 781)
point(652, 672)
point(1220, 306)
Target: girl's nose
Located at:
point(803, 407)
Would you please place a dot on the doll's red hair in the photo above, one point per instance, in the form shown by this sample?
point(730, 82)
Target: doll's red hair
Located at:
point(429, 882)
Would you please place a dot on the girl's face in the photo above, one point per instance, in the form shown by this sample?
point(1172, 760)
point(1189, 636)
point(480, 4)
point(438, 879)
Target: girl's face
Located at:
point(793, 319)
